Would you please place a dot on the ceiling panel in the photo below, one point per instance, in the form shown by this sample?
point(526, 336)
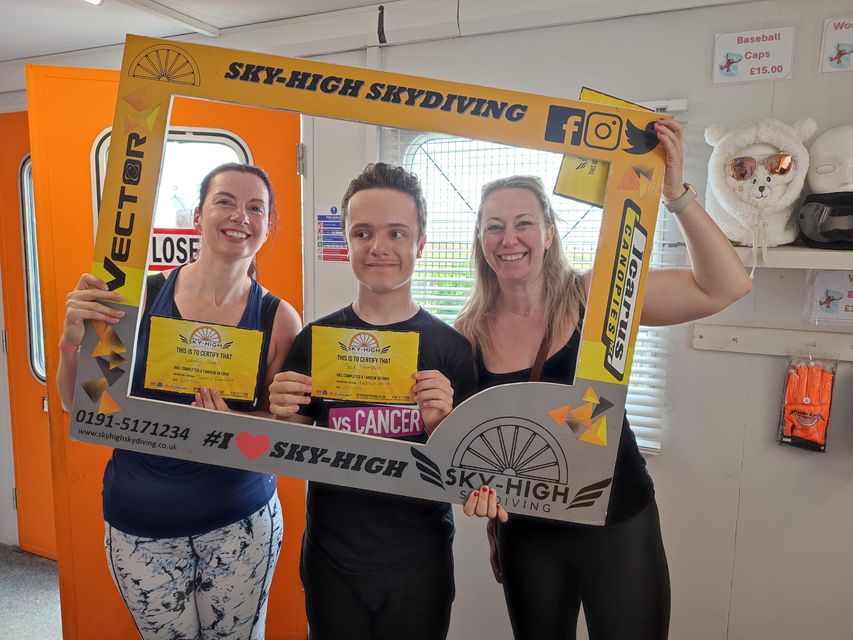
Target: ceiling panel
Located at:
point(41, 27)
point(231, 14)
point(31, 28)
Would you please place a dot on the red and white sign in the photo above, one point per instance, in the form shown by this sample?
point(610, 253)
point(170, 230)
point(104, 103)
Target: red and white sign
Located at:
point(836, 51)
point(171, 248)
point(751, 56)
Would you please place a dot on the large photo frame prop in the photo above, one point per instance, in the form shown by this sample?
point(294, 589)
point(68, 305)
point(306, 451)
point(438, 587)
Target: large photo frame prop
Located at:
point(549, 449)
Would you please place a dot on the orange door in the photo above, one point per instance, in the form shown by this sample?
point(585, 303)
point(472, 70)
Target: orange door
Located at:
point(30, 438)
point(68, 109)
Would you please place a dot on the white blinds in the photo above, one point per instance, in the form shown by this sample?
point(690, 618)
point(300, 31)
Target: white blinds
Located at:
point(452, 170)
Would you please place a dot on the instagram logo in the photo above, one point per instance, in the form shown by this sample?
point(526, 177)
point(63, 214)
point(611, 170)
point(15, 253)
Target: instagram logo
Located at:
point(597, 130)
point(603, 131)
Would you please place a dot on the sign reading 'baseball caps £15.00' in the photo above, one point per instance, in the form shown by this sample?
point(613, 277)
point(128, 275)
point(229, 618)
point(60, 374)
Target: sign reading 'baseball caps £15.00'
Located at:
point(549, 449)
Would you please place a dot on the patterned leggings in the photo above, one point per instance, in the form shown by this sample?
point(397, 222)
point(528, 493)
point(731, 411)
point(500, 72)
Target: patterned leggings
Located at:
point(213, 585)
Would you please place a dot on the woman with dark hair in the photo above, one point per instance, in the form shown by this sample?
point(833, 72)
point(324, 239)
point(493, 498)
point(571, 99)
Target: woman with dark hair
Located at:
point(524, 317)
point(192, 547)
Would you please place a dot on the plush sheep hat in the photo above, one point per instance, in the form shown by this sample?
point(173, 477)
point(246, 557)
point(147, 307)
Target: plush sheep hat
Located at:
point(758, 212)
point(728, 142)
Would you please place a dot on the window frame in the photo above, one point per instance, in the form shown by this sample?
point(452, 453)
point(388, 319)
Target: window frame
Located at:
point(29, 232)
point(29, 258)
point(646, 404)
point(101, 146)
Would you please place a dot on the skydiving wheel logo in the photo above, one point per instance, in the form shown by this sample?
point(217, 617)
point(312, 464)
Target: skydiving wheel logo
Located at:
point(363, 343)
point(165, 63)
point(514, 447)
point(205, 337)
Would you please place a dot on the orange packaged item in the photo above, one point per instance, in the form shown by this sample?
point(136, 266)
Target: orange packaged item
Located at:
point(808, 397)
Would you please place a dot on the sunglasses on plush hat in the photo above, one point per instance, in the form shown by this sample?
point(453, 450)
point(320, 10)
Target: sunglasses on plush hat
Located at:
point(743, 167)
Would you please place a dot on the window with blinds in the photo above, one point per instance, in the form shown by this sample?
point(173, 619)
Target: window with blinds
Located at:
point(452, 170)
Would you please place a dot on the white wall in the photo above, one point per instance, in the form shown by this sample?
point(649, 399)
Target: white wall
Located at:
point(758, 536)
point(8, 515)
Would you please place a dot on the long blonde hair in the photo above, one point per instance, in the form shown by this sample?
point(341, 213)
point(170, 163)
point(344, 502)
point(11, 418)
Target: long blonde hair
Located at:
point(564, 291)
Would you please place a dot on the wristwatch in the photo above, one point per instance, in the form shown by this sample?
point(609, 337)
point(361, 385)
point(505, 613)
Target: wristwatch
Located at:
point(689, 195)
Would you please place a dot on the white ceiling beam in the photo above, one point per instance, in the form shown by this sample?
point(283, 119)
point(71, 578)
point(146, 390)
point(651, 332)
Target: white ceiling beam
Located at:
point(478, 17)
point(177, 17)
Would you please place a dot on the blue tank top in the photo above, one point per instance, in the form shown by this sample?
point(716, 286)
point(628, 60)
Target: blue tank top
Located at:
point(157, 497)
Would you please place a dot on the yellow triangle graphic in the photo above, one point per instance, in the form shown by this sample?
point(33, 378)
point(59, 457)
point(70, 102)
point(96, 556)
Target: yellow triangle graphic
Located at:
point(645, 183)
point(597, 435)
point(151, 118)
point(590, 396)
point(101, 350)
point(108, 404)
point(111, 338)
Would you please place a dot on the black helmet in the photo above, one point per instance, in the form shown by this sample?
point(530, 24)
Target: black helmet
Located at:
point(826, 220)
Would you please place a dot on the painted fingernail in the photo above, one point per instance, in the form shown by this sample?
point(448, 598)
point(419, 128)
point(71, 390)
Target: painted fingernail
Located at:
point(476, 493)
point(484, 489)
point(492, 491)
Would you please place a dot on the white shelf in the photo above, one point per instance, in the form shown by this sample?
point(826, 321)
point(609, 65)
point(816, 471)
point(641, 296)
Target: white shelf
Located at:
point(771, 341)
point(793, 257)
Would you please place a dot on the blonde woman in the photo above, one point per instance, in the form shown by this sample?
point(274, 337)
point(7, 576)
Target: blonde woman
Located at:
point(524, 317)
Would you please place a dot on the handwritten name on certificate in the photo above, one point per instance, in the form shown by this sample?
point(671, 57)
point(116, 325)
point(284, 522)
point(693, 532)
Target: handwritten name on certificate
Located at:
point(363, 365)
point(184, 355)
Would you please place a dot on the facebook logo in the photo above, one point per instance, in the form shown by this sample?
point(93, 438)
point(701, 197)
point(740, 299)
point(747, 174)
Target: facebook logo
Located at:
point(564, 120)
point(598, 130)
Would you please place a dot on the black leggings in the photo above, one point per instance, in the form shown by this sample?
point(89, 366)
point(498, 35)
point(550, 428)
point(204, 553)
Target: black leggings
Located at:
point(618, 572)
point(412, 603)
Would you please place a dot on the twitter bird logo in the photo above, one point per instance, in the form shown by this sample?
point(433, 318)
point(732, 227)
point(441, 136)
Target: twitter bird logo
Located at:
point(641, 141)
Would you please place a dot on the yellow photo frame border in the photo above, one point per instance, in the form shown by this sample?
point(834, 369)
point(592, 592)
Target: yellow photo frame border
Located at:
point(155, 71)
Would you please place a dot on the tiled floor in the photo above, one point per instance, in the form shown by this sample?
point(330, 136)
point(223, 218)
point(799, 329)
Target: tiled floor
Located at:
point(29, 597)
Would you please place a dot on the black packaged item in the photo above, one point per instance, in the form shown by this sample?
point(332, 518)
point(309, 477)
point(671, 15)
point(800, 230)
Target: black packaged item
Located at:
point(826, 220)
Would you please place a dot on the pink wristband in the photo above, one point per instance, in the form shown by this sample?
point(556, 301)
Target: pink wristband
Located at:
point(68, 348)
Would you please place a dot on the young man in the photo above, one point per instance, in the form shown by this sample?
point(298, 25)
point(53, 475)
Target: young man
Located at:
point(377, 566)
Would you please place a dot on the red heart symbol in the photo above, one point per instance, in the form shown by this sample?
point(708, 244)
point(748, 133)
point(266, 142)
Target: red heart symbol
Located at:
point(251, 445)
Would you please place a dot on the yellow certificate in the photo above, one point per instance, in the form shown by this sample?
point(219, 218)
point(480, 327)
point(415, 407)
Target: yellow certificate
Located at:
point(363, 365)
point(184, 355)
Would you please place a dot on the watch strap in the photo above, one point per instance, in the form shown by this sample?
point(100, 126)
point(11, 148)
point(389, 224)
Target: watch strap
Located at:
point(689, 195)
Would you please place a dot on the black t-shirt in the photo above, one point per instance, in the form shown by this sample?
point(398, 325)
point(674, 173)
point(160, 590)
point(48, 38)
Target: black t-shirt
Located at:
point(632, 486)
point(366, 531)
